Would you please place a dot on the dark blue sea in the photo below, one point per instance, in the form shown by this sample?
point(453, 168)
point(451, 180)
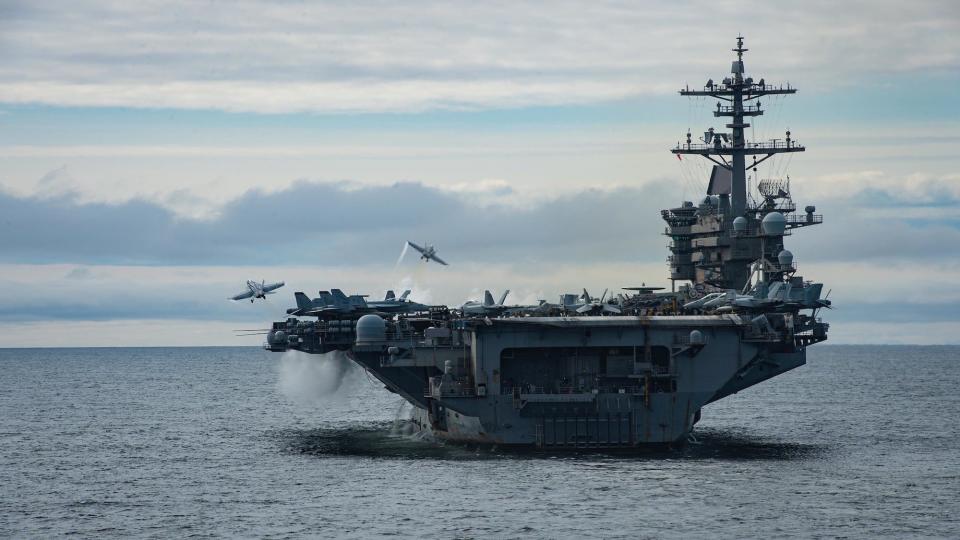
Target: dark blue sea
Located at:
point(862, 442)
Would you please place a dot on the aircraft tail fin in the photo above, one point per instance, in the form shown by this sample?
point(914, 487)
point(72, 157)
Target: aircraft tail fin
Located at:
point(487, 298)
point(405, 294)
point(390, 295)
point(339, 297)
point(303, 302)
point(504, 297)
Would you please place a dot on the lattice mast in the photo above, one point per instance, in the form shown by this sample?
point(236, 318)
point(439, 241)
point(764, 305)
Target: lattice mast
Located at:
point(738, 91)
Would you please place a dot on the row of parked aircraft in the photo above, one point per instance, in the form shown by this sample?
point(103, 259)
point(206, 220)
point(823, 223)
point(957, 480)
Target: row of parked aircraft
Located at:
point(336, 303)
point(780, 295)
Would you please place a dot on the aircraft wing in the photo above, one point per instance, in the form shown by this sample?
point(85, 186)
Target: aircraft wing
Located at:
point(242, 296)
point(272, 286)
point(416, 247)
point(438, 259)
point(316, 312)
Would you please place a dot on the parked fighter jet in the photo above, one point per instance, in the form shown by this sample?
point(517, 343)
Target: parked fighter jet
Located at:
point(427, 252)
point(542, 309)
point(336, 303)
point(779, 295)
point(257, 290)
point(487, 307)
point(392, 304)
point(569, 302)
point(329, 302)
point(392, 296)
point(597, 305)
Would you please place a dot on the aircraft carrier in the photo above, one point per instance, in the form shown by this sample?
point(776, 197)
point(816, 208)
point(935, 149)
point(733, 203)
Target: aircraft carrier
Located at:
point(633, 370)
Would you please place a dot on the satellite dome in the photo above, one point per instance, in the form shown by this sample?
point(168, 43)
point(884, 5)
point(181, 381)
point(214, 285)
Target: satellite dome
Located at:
point(696, 337)
point(371, 328)
point(740, 224)
point(276, 337)
point(785, 258)
point(811, 209)
point(773, 224)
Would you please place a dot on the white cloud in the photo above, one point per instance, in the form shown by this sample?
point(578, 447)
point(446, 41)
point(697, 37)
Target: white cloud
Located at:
point(380, 56)
point(915, 188)
point(367, 96)
point(197, 179)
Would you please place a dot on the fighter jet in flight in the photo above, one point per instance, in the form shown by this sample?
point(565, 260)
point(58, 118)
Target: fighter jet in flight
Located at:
point(257, 290)
point(427, 252)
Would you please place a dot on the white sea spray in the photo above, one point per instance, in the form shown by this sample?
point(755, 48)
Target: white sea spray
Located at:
point(309, 379)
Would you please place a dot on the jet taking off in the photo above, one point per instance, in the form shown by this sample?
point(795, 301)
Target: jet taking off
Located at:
point(427, 252)
point(257, 290)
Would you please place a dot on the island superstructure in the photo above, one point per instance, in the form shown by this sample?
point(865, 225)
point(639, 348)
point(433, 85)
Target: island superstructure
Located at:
point(621, 373)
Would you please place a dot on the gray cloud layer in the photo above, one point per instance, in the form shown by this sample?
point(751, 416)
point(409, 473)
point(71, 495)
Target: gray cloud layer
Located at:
point(322, 223)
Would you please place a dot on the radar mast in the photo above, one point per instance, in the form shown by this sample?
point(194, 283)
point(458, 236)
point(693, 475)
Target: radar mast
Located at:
point(715, 244)
point(742, 95)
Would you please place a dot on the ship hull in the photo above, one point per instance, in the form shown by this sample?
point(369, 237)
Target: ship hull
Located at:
point(576, 383)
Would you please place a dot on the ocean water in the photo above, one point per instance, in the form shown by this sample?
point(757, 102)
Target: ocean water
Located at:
point(862, 442)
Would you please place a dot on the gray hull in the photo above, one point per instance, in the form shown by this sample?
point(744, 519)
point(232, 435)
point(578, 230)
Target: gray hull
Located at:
point(584, 382)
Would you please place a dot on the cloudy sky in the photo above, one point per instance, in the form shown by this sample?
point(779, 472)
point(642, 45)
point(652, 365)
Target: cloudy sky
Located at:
point(154, 155)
